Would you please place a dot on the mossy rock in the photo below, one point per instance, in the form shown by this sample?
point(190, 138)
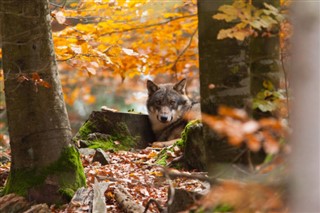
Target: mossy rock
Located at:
point(126, 130)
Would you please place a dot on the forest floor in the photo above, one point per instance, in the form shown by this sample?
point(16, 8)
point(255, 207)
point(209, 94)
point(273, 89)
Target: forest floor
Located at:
point(143, 180)
point(135, 171)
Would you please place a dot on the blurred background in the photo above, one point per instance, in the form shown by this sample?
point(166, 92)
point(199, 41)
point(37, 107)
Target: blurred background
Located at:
point(106, 50)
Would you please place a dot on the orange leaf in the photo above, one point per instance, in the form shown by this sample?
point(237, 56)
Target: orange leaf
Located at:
point(35, 76)
point(239, 114)
point(253, 143)
point(270, 145)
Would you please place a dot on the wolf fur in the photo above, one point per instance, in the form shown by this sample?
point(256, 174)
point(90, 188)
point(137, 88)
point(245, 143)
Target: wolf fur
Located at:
point(168, 106)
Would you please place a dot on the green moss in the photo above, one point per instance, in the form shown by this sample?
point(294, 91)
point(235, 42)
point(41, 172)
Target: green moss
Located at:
point(67, 170)
point(67, 192)
point(123, 135)
point(85, 130)
point(19, 181)
point(102, 144)
point(163, 156)
point(217, 209)
point(185, 132)
point(223, 208)
point(120, 134)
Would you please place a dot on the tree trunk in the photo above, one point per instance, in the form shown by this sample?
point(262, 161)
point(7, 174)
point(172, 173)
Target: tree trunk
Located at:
point(224, 78)
point(305, 118)
point(231, 74)
point(45, 166)
point(264, 56)
point(224, 72)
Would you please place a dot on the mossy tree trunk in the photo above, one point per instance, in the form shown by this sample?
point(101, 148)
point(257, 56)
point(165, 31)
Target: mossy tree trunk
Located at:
point(45, 166)
point(224, 77)
point(231, 74)
point(264, 56)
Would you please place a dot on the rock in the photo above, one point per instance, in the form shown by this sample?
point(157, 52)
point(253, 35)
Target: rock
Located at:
point(87, 151)
point(101, 157)
point(83, 144)
point(99, 136)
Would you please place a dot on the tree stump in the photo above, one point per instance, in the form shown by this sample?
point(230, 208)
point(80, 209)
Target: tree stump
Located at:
point(136, 127)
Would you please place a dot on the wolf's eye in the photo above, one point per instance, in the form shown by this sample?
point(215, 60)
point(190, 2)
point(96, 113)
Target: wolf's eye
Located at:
point(172, 102)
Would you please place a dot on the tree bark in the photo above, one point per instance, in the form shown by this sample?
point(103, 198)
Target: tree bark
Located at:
point(39, 129)
point(231, 74)
point(305, 117)
point(224, 72)
point(264, 56)
point(224, 78)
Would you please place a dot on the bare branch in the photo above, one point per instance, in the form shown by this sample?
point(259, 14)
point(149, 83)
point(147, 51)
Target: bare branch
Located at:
point(174, 66)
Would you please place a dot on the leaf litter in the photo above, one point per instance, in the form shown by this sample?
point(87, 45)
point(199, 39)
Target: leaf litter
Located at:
point(137, 173)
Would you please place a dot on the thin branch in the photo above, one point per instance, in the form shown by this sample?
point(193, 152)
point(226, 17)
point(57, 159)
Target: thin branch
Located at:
point(58, 5)
point(149, 25)
point(174, 66)
point(201, 177)
point(55, 5)
point(285, 80)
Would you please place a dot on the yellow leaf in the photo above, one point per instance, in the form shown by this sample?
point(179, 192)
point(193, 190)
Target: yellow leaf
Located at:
point(224, 33)
point(73, 4)
point(240, 35)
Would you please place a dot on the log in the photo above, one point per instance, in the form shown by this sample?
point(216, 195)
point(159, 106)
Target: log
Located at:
point(106, 122)
point(126, 201)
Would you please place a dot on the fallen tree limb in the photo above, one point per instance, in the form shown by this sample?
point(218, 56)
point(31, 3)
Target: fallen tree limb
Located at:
point(126, 201)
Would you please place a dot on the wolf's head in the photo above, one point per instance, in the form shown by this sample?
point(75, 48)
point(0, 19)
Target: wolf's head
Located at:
point(166, 103)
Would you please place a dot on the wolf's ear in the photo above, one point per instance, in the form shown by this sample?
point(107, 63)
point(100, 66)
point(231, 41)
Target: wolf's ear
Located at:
point(152, 87)
point(181, 86)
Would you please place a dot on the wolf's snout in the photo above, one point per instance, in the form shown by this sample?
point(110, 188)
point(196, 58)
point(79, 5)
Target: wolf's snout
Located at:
point(164, 119)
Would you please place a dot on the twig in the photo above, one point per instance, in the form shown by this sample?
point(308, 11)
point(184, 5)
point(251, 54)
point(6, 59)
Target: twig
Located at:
point(171, 187)
point(58, 5)
point(201, 177)
point(285, 80)
point(174, 66)
point(125, 200)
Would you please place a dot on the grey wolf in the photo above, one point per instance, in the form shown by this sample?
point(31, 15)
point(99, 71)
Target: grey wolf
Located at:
point(168, 106)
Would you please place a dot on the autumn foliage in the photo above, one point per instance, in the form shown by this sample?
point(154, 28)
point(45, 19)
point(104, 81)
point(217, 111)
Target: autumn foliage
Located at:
point(125, 39)
point(239, 128)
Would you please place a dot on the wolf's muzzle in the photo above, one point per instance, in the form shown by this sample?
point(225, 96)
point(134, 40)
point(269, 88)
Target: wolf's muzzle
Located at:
point(164, 118)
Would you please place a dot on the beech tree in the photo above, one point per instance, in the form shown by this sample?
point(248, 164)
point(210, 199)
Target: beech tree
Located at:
point(238, 57)
point(45, 165)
